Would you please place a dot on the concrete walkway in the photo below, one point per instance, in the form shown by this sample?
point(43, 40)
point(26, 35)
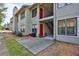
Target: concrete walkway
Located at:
point(36, 45)
point(3, 50)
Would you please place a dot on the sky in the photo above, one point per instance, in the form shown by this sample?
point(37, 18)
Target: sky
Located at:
point(9, 12)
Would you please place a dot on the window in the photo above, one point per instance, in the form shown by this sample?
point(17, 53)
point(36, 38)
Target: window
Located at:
point(68, 3)
point(34, 12)
point(61, 5)
point(71, 26)
point(22, 15)
point(67, 27)
point(22, 30)
point(34, 30)
point(61, 27)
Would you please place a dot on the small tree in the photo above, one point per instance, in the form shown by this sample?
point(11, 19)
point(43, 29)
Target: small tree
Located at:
point(2, 12)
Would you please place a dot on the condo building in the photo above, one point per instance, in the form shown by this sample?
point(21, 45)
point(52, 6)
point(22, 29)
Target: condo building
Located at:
point(56, 20)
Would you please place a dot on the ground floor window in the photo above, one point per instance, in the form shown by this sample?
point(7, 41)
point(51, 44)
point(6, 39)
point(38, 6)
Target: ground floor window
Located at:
point(61, 27)
point(67, 26)
point(34, 30)
point(22, 29)
point(71, 26)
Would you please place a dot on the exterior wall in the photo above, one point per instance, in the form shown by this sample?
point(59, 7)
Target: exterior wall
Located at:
point(66, 12)
point(14, 26)
point(48, 15)
point(19, 23)
point(48, 9)
point(16, 23)
point(25, 23)
point(28, 21)
point(22, 23)
point(46, 30)
point(35, 20)
point(11, 24)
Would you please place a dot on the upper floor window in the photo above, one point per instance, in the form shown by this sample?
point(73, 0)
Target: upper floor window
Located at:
point(68, 3)
point(22, 15)
point(62, 4)
point(34, 12)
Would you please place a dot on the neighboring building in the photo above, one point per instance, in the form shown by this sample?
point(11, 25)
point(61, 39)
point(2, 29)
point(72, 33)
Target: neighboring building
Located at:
point(13, 20)
point(11, 24)
point(7, 26)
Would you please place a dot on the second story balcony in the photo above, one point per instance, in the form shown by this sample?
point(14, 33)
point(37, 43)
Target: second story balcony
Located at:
point(46, 11)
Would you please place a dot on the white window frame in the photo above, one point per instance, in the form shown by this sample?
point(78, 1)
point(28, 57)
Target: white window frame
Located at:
point(75, 28)
point(60, 5)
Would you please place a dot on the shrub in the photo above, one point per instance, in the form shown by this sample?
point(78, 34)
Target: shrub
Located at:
point(19, 34)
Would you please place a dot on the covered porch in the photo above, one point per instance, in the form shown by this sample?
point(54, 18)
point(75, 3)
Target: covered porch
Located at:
point(47, 28)
point(46, 20)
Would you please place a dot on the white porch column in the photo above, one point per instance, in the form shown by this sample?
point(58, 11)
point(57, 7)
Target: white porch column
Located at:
point(54, 22)
point(38, 20)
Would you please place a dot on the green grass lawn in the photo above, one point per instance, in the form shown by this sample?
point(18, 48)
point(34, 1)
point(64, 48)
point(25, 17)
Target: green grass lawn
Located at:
point(15, 49)
point(1, 30)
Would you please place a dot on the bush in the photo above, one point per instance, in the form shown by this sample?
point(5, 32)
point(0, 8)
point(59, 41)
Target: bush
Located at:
point(19, 34)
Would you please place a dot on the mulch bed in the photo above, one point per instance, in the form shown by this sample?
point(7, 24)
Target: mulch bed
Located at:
point(61, 49)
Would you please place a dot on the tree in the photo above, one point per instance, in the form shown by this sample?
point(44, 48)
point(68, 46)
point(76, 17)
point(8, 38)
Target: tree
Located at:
point(2, 12)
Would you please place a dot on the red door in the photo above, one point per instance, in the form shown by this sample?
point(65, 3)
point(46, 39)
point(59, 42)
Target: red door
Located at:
point(41, 30)
point(41, 12)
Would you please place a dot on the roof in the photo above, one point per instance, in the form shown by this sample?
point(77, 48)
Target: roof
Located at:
point(24, 6)
point(11, 18)
point(34, 5)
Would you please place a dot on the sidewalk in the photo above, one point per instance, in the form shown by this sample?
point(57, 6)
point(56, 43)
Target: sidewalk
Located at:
point(3, 50)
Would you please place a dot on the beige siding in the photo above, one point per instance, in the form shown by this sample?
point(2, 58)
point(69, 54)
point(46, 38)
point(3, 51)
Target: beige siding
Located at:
point(68, 11)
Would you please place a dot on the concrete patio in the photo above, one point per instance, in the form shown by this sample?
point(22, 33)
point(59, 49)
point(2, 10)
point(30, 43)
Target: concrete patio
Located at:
point(35, 45)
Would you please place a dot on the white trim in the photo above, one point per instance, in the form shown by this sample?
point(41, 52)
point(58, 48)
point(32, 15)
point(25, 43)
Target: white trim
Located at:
point(46, 18)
